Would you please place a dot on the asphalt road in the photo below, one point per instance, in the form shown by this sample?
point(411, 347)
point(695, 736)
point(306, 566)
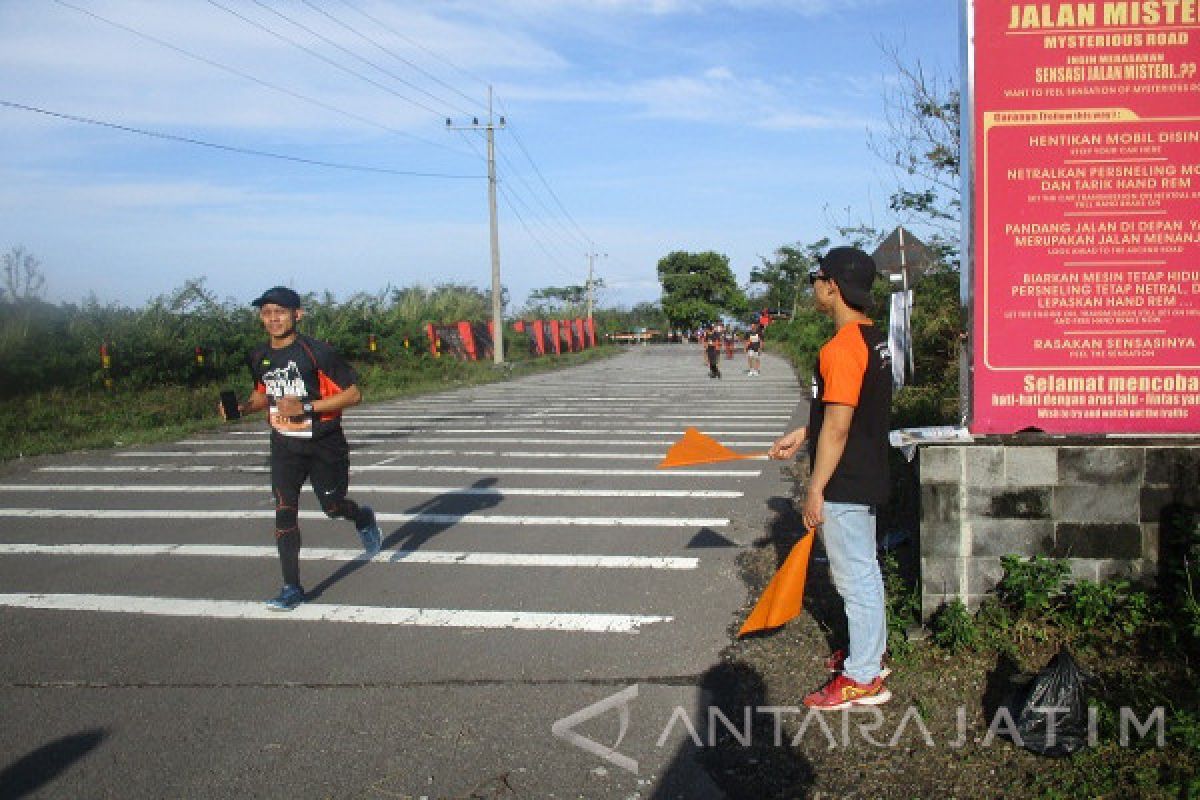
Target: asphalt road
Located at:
point(535, 563)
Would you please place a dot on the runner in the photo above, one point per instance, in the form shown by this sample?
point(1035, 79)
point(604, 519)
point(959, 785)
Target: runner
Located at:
point(304, 384)
point(712, 351)
point(753, 350)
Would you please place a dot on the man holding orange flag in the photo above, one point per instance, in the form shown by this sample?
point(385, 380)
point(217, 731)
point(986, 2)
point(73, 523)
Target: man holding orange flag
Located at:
point(847, 443)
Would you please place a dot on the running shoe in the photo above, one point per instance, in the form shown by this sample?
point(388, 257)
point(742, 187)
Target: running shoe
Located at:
point(289, 597)
point(837, 662)
point(841, 692)
point(368, 531)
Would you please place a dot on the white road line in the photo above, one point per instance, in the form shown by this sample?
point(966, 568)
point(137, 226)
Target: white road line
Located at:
point(322, 612)
point(494, 453)
point(485, 440)
point(360, 488)
point(432, 519)
point(662, 473)
point(332, 554)
point(574, 431)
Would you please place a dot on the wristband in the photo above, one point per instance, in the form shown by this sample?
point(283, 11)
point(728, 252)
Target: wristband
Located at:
point(308, 409)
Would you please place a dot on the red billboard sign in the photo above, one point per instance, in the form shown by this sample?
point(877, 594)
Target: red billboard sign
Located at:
point(1085, 243)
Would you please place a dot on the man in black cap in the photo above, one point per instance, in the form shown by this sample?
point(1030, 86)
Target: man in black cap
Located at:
point(303, 385)
point(847, 439)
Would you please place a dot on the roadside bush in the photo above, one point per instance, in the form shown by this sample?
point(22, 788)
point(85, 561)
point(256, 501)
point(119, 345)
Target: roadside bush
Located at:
point(1029, 585)
point(954, 628)
point(1096, 611)
point(903, 606)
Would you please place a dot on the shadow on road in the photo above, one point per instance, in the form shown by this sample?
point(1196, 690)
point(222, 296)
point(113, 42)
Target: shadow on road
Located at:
point(31, 772)
point(751, 764)
point(451, 507)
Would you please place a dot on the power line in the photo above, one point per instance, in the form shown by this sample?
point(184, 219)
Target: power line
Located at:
point(418, 45)
point(395, 55)
point(354, 55)
point(253, 79)
point(266, 29)
point(529, 158)
point(230, 148)
point(514, 196)
point(533, 236)
point(510, 196)
point(567, 234)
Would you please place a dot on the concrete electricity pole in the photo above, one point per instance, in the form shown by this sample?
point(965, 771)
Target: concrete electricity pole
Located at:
point(591, 286)
point(497, 305)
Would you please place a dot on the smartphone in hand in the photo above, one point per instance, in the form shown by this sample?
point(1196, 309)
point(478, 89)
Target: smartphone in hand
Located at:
point(230, 405)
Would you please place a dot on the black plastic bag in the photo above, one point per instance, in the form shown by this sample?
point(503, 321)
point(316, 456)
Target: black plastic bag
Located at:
point(1050, 713)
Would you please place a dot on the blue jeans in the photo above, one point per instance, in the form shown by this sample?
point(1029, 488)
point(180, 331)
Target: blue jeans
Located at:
point(849, 536)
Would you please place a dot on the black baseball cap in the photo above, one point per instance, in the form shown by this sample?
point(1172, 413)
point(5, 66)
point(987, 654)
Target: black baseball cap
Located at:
point(853, 271)
point(280, 296)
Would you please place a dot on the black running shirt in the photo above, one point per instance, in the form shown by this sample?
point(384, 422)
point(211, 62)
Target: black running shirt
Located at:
point(292, 371)
point(855, 369)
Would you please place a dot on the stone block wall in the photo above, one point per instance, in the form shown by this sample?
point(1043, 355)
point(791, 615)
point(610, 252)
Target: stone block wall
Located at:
point(1097, 503)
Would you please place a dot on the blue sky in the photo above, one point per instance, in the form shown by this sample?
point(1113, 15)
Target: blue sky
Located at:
point(637, 127)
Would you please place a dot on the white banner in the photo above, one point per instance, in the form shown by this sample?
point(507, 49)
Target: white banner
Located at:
point(900, 336)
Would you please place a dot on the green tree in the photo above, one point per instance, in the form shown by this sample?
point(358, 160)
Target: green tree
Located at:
point(785, 273)
point(698, 288)
point(557, 299)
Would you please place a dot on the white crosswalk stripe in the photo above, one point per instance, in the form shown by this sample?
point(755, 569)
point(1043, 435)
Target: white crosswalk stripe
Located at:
point(321, 612)
point(338, 554)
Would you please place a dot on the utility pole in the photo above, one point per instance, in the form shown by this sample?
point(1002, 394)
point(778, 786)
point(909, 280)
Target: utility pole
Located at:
point(591, 285)
point(497, 306)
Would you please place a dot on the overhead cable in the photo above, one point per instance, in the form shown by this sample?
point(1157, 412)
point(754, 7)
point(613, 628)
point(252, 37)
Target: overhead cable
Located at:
point(266, 84)
point(367, 61)
point(397, 56)
point(268, 30)
point(230, 148)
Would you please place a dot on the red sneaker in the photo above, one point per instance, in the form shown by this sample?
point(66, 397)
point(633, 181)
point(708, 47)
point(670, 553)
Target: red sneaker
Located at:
point(837, 662)
point(841, 692)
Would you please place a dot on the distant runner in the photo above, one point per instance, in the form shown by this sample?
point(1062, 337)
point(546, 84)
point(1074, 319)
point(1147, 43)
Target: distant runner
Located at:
point(712, 351)
point(304, 384)
point(754, 349)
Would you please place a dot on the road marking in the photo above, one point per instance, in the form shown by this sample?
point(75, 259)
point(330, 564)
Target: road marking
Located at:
point(539, 429)
point(430, 519)
point(363, 488)
point(495, 453)
point(335, 554)
point(360, 488)
point(322, 612)
point(662, 473)
point(484, 440)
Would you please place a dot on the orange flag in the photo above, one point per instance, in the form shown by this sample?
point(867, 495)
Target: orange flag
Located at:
point(696, 448)
point(783, 598)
